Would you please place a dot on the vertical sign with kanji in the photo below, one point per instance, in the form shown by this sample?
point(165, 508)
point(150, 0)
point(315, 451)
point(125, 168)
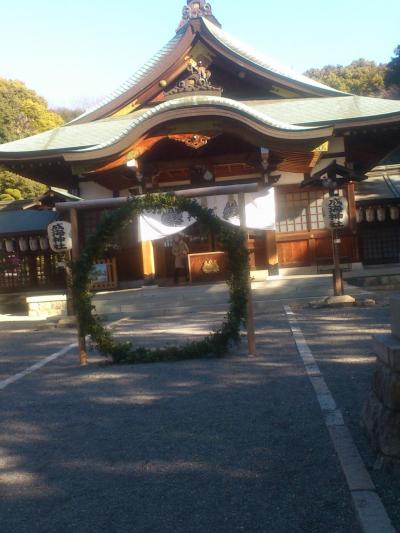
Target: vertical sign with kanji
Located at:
point(60, 236)
point(335, 211)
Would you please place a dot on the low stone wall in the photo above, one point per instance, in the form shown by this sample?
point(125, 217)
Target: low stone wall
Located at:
point(47, 305)
point(381, 414)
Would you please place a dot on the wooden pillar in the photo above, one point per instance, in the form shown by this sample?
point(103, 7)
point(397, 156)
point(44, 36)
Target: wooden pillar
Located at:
point(271, 247)
point(83, 358)
point(251, 335)
point(351, 197)
point(149, 268)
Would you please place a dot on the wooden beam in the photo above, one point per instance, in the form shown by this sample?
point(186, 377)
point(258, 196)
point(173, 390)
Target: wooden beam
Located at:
point(83, 357)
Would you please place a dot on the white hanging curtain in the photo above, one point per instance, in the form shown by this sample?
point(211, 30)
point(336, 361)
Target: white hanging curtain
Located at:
point(155, 226)
point(260, 209)
point(260, 214)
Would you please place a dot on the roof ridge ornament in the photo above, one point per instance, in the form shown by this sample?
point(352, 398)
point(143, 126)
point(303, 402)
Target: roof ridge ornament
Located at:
point(198, 80)
point(195, 9)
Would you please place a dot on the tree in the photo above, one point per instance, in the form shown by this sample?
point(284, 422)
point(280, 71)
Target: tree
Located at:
point(68, 114)
point(22, 113)
point(392, 78)
point(26, 187)
point(361, 77)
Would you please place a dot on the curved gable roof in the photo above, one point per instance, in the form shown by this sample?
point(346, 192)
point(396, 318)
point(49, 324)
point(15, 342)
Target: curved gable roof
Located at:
point(162, 60)
point(266, 64)
point(102, 134)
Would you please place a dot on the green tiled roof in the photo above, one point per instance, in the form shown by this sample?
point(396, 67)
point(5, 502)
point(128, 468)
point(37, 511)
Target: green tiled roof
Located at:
point(29, 221)
point(62, 192)
point(17, 205)
point(329, 110)
point(378, 188)
point(260, 60)
point(227, 41)
point(102, 133)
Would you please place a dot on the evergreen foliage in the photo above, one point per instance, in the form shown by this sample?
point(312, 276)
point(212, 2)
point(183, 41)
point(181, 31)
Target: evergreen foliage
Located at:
point(232, 241)
point(361, 77)
point(392, 78)
point(22, 113)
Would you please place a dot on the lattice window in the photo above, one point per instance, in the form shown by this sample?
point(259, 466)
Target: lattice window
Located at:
point(381, 246)
point(300, 211)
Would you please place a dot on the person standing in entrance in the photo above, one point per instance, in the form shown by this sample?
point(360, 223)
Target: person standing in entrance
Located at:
point(180, 252)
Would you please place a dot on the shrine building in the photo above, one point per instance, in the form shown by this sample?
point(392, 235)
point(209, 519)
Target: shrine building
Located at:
point(206, 111)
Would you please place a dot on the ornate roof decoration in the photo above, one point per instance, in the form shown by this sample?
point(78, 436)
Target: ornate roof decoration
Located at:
point(196, 9)
point(195, 141)
point(199, 78)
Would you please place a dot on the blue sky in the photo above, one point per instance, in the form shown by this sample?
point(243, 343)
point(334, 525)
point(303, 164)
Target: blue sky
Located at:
point(73, 52)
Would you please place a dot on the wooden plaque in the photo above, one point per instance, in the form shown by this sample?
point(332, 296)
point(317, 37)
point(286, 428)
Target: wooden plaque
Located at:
point(207, 267)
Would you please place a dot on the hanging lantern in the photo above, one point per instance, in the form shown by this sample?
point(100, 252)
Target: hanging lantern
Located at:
point(44, 243)
point(394, 212)
point(370, 214)
point(9, 245)
point(360, 215)
point(33, 244)
point(23, 244)
point(381, 214)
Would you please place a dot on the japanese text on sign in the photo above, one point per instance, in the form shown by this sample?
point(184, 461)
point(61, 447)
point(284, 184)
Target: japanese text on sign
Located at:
point(335, 210)
point(60, 236)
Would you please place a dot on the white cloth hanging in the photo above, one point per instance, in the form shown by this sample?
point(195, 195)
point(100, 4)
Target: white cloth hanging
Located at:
point(260, 214)
point(155, 226)
point(260, 209)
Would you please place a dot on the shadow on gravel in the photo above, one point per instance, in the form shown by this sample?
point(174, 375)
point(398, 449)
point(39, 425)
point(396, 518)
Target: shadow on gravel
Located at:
point(222, 445)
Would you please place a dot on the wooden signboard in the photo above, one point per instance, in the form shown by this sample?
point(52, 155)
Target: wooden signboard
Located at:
point(207, 267)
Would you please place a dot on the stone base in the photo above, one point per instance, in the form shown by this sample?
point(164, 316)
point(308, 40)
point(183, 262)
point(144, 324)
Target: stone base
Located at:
point(386, 386)
point(383, 428)
point(387, 349)
point(47, 305)
point(334, 301)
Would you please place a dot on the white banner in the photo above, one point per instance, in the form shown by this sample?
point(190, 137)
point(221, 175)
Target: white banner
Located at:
point(260, 214)
point(154, 226)
point(260, 209)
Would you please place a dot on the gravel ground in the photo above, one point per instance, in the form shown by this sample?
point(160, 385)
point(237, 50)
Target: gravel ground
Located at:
point(341, 343)
point(23, 343)
point(217, 446)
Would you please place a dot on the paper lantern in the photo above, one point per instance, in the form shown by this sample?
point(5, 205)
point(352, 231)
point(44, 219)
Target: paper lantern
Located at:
point(360, 215)
point(370, 214)
point(60, 238)
point(23, 244)
point(335, 212)
point(9, 245)
point(33, 244)
point(381, 214)
point(394, 212)
point(44, 243)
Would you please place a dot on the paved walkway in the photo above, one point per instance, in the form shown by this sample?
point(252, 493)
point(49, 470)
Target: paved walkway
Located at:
point(220, 446)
